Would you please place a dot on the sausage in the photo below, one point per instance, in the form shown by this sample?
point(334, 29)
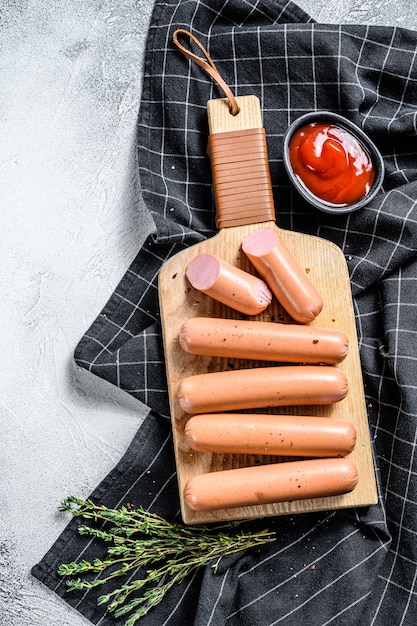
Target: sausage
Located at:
point(228, 284)
point(286, 279)
point(262, 387)
point(281, 435)
point(265, 484)
point(268, 341)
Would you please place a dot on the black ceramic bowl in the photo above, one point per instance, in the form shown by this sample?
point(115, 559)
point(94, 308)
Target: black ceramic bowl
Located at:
point(365, 142)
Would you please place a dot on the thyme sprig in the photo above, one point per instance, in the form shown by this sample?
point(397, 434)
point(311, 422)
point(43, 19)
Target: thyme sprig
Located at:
point(139, 538)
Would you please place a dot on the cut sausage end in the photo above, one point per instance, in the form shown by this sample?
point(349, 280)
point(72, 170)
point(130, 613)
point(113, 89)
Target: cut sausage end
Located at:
point(228, 284)
point(283, 274)
point(202, 271)
point(260, 242)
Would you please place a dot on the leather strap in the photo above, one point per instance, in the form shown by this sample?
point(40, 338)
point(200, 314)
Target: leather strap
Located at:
point(239, 159)
point(241, 177)
point(208, 66)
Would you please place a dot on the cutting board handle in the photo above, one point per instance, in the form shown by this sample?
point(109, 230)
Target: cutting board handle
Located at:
point(241, 177)
point(237, 150)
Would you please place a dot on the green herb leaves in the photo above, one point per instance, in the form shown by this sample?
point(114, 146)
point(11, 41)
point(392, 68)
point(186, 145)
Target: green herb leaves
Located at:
point(139, 539)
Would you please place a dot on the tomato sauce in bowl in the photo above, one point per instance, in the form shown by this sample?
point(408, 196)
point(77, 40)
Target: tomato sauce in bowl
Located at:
point(332, 163)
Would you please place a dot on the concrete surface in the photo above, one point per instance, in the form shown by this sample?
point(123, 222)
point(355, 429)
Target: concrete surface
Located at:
point(71, 222)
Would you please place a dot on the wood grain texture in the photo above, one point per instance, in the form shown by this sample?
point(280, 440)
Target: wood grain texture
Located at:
point(326, 267)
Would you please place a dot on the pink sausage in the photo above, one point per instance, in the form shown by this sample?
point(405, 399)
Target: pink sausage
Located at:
point(265, 484)
point(228, 284)
point(278, 435)
point(287, 280)
point(267, 341)
point(262, 387)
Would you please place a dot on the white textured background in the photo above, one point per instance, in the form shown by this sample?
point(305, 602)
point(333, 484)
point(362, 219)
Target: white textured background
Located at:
point(72, 220)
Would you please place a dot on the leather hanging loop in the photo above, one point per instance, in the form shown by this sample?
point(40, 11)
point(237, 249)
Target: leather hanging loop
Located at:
point(207, 65)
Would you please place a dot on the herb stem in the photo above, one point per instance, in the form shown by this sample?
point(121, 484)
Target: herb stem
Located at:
point(138, 539)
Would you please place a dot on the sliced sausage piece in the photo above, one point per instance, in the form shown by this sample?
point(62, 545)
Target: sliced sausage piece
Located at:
point(280, 435)
point(267, 341)
point(262, 387)
point(282, 273)
point(265, 484)
point(228, 284)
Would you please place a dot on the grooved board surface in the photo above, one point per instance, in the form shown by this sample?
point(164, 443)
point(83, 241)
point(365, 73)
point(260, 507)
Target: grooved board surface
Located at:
point(326, 267)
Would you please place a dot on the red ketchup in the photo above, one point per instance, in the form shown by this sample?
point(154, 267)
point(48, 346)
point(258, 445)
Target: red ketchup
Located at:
point(331, 163)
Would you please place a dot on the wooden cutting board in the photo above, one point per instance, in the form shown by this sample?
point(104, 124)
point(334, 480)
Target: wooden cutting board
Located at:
point(326, 267)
